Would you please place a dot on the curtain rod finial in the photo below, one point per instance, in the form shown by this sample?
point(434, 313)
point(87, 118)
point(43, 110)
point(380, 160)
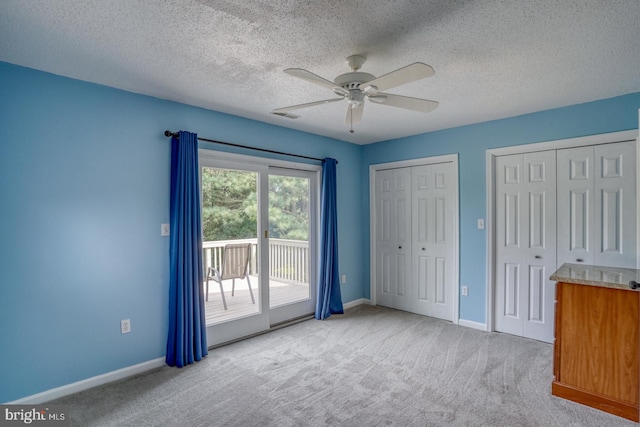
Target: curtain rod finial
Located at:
point(168, 133)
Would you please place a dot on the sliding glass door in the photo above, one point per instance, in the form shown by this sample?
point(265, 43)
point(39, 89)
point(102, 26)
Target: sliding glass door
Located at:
point(236, 303)
point(292, 221)
point(259, 226)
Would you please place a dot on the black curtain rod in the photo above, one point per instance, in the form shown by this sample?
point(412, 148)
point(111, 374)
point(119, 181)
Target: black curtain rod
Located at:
point(168, 133)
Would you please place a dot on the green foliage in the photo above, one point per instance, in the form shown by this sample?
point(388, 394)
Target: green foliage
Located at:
point(230, 207)
point(288, 207)
point(229, 204)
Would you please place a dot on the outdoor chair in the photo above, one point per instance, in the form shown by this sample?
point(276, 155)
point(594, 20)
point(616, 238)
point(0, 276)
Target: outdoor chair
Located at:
point(235, 265)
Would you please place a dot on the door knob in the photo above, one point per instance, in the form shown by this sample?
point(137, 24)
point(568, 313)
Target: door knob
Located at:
point(423, 249)
point(399, 247)
point(538, 257)
point(579, 260)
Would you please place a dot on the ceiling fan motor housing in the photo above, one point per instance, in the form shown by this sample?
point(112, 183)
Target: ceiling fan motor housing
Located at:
point(353, 80)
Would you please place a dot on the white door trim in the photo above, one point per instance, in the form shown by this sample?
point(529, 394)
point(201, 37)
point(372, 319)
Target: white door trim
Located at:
point(447, 158)
point(491, 154)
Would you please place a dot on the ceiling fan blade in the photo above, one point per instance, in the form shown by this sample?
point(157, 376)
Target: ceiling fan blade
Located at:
point(407, 102)
point(309, 104)
point(310, 77)
point(354, 115)
point(408, 74)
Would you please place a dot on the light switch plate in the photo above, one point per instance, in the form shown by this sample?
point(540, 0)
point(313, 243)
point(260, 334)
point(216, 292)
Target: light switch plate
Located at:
point(164, 229)
point(480, 224)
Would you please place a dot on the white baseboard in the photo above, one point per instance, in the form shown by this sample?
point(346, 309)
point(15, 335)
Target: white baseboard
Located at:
point(129, 371)
point(88, 383)
point(473, 325)
point(461, 322)
point(116, 375)
point(355, 303)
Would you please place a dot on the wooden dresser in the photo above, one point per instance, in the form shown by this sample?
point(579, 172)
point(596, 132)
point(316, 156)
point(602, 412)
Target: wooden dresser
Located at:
point(597, 338)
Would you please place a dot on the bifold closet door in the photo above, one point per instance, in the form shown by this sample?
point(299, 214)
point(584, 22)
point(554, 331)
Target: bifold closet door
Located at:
point(525, 244)
point(597, 205)
point(393, 238)
point(415, 248)
point(433, 247)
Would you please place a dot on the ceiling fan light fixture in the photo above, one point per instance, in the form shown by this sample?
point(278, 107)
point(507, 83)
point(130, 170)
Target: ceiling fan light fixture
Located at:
point(355, 98)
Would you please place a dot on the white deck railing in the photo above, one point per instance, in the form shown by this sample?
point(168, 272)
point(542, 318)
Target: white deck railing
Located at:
point(288, 259)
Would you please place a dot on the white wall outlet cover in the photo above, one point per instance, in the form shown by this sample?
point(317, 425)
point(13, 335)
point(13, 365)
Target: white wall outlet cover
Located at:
point(125, 326)
point(164, 229)
point(480, 224)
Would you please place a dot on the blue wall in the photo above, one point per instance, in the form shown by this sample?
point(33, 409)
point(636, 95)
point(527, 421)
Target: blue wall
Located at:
point(84, 187)
point(470, 142)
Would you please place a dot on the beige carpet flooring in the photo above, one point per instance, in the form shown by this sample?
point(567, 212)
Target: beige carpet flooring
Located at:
point(369, 367)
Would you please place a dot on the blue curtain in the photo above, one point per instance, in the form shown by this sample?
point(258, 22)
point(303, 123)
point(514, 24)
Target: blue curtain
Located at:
point(187, 341)
point(329, 298)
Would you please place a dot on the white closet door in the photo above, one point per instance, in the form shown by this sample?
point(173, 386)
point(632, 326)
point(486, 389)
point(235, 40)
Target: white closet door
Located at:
point(597, 205)
point(525, 244)
point(615, 215)
point(433, 246)
point(575, 205)
point(540, 253)
point(393, 238)
point(509, 205)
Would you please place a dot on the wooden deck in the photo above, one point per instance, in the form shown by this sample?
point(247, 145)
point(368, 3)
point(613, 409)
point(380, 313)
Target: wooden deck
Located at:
point(240, 305)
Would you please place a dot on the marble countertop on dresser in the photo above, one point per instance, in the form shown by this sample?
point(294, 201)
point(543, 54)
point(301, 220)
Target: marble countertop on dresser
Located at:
point(594, 275)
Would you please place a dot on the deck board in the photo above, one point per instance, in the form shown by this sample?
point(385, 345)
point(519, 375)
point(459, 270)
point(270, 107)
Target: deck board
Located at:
point(240, 305)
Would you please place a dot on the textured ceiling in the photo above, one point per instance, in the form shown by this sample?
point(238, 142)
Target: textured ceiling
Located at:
point(493, 59)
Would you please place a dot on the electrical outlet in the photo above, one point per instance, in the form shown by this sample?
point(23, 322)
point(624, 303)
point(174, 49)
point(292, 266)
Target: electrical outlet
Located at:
point(164, 229)
point(125, 326)
point(465, 291)
point(344, 279)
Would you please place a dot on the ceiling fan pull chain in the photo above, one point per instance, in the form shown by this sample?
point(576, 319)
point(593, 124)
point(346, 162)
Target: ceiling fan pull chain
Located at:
point(351, 117)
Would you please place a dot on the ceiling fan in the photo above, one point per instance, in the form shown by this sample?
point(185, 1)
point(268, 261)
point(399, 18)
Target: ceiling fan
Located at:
point(355, 86)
